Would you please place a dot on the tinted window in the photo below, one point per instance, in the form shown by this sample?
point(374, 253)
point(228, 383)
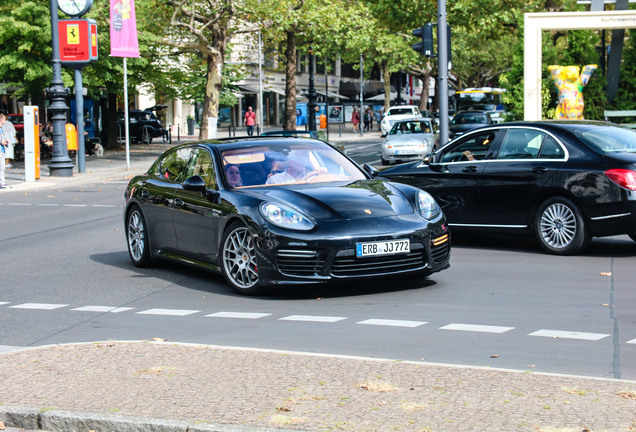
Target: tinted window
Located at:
point(201, 165)
point(400, 111)
point(551, 149)
point(478, 145)
point(521, 144)
point(173, 165)
point(608, 139)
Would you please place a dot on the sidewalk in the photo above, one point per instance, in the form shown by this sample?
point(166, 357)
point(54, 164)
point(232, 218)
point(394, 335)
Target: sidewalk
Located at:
point(164, 386)
point(113, 163)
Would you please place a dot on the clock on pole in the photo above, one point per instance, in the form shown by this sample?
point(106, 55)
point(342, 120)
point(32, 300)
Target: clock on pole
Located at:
point(74, 8)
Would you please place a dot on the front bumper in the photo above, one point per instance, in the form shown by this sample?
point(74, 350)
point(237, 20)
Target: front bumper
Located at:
point(330, 253)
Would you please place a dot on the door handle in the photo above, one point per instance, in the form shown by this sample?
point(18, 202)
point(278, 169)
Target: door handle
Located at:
point(539, 170)
point(145, 194)
point(469, 169)
point(178, 203)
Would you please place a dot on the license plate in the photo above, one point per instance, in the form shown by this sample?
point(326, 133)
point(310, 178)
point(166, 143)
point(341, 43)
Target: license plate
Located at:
point(404, 152)
point(388, 247)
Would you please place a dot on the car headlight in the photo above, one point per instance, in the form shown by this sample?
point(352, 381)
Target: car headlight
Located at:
point(285, 217)
point(427, 206)
point(425, 144)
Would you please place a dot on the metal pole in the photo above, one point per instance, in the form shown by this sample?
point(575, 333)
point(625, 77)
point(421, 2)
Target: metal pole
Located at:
point(260, 86)
point(327, 98)
point(61, 165)
point(442, 51)
point(361, 94)
point(311, 95)
point(79, 118)
point(126, 124)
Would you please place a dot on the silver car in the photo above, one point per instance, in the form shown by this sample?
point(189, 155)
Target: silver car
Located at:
point(409, 140)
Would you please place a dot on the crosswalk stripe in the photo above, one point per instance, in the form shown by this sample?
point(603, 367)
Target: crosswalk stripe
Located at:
point(110, 309)
point(44, 306)
point(312, 318)
point(392, 323)
point(560, 334)
point(241, 315)
point(171, 312)
point(476, 328)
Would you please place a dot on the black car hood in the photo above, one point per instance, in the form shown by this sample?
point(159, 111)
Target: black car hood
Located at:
point(359, 199)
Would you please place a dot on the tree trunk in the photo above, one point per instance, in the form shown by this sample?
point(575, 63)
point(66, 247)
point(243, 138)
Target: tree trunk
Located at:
point(211, 99)
point(426, 78)
point(290, 82)
point(386, 76)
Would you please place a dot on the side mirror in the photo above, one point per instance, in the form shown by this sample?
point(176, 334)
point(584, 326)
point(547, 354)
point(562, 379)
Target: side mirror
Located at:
point(194, 183)
point(371, 170)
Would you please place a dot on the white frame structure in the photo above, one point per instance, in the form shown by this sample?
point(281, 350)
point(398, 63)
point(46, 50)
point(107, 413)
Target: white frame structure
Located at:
point(535, 23)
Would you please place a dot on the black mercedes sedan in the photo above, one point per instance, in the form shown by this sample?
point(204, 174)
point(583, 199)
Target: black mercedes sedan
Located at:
point(563, 181)
point(269, 211)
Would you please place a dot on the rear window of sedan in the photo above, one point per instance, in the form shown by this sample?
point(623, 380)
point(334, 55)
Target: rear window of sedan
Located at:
point(608, 139)
point(401, 111)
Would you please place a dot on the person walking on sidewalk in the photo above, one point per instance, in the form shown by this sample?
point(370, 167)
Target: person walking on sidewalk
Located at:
point(355, 119)
point(9, 133)
point(4, 143)
point(250, 121)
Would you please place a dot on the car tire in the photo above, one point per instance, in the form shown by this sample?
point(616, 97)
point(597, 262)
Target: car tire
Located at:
point(560, 227)
point(137, 238)
point(238, 260)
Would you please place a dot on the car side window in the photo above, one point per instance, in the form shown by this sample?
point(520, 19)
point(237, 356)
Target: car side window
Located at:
point(521, 144)
point(173, 166)
point(551, 150)
point(201, 165)
point(477, 145)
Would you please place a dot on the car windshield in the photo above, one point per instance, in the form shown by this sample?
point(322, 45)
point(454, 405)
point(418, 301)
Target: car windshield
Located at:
point(400, 111)
point(411, 127)
point(607, 139)
point(283, 163)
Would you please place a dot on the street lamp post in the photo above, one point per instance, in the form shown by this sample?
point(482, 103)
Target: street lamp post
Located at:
point(61, 165)
point(311, 95)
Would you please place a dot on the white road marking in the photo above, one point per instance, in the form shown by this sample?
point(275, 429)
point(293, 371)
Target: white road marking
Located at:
point(43, 306)
point(476, 328)
point(392, 323)
point(559, 334)
point(110, 309)
point(171, 312)
point(242, 315)
point(105, 205)
point(74, 205)
point(312, 318)
point(3, 303)
point(20, 204)
point(633, 341)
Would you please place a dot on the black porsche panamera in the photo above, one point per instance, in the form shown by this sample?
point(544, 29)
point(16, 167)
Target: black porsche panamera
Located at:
point(563, 181)
point(273, 211)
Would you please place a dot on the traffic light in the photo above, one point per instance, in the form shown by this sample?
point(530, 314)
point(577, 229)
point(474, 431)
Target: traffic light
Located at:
point(426, 46)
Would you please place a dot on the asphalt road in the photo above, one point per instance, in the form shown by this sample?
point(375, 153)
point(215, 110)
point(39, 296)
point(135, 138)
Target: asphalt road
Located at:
point(504, 303)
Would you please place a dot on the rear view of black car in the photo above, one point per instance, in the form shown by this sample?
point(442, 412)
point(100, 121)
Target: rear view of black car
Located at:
point(563, 181)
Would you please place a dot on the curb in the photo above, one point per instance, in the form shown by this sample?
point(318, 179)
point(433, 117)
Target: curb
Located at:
point(74, 421)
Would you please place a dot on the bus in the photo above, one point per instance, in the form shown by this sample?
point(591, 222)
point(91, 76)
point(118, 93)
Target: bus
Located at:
point(489, 99)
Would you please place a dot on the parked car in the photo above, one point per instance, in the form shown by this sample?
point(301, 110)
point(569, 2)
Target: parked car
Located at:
point(409, 140)
point(465, 121)
point(563, 181)
point(400, 112)
point(144, 126)
point(18, 123)
point(331, 221)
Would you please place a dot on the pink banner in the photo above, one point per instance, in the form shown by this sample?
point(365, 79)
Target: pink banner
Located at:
point(123, 29)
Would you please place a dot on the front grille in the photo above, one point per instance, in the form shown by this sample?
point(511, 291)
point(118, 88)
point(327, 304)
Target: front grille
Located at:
point(440, 248)
point(299, 262)
point(346, 264)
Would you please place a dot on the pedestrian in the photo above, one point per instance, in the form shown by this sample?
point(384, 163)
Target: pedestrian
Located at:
point(250, 121)
point(355, 119)
point(366, 119)
point(378, 119)
point(10, 134)
point(4, 143)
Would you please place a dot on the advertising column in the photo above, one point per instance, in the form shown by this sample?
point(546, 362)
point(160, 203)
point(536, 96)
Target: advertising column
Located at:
point(31, 143)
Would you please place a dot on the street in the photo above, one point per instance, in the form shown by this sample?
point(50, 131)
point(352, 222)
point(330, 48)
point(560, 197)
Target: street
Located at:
point(503, 303)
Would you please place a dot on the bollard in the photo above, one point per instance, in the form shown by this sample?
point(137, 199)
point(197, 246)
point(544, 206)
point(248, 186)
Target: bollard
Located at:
point(178, 133)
